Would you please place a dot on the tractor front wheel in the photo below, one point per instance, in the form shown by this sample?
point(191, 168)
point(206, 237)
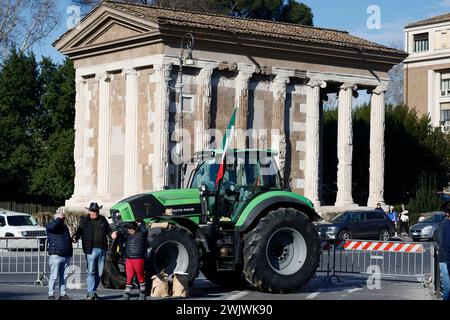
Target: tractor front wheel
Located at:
point(173, 249)
point(282, 252)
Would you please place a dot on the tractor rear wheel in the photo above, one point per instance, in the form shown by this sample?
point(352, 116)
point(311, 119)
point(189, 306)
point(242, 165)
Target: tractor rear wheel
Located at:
point(282, 252)
point(173, 249)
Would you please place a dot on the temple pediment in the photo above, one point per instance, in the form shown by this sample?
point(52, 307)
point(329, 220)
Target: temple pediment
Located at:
point(105, 27)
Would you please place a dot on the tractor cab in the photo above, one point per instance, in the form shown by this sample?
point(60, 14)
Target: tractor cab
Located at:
point(247, 173)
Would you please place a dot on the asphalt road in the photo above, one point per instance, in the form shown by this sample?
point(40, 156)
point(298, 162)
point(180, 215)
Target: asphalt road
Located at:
point(350, 288)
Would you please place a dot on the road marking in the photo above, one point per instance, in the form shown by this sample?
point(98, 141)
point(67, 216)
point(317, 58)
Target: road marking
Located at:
point(238, 295)
point(354, 290)
point(312, 295)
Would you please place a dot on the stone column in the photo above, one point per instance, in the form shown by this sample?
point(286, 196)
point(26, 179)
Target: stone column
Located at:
point(345, 146)
point(162, 135)
point(241, 102)
point(80, 107)
point(205, 78)
point(312, 161)
point(278, 110)
point(131, 125)
point(103, 135)
point(377, 125)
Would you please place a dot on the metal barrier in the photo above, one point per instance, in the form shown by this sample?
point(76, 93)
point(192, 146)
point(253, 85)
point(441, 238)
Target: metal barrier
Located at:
point(23, 256)
point(388, 259)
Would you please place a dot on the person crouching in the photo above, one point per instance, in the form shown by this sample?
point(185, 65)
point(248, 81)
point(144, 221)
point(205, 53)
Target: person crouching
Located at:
point(135, 236)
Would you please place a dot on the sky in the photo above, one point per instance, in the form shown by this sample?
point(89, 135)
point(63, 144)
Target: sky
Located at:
point(348, 15)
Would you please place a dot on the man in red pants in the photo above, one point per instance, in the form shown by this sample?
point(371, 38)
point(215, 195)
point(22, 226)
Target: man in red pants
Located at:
point(136, 249)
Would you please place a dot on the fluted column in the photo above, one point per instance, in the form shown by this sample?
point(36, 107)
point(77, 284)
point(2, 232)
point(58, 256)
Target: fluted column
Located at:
point(80, 107)
point(131, 124)
point(103, 135)
point(377, 125)
point(278, 109)
point(312, 174)
point(241, 102)
point(345, 145)
point(162, 134)
point(205, 77)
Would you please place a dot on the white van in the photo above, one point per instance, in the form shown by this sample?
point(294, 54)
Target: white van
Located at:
point(20, 225)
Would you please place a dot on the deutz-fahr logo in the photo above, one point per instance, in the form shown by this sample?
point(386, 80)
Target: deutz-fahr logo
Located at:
point(182, 210)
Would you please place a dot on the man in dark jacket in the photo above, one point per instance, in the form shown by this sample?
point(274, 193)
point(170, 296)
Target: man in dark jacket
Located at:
point(94, 231)
point(443, 240)
point(60, 251)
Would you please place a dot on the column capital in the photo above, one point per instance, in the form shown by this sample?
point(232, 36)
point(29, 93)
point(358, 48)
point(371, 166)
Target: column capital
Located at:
point(349, 85)
point(382, 88)
point(80, 80)
point(104, 76)
point(129, 72)
point(245, 71)
point(206, 71)
point(317, 83)
point(165, 69)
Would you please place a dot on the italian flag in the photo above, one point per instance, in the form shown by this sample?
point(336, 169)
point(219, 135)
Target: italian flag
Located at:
point(226, 145)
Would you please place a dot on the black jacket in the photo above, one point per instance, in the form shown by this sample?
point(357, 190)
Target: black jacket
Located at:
point(59, 240)
point(136, 244)
point(86, 232)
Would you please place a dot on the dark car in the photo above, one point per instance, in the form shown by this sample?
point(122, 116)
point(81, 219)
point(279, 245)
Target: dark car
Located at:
point(357, 225)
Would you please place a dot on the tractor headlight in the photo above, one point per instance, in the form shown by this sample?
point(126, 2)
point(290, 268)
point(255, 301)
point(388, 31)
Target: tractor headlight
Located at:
point(203, 188)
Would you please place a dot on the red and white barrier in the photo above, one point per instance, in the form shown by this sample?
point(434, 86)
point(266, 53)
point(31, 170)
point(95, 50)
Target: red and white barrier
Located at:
point(380, 246)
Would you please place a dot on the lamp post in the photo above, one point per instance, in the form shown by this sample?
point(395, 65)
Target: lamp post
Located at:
point(187, 44)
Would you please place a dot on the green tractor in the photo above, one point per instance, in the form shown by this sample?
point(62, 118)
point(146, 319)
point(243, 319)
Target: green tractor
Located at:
point(249, 229)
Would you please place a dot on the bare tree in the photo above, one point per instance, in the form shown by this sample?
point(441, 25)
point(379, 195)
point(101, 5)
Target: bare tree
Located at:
point(23, 23)
point(394, 94)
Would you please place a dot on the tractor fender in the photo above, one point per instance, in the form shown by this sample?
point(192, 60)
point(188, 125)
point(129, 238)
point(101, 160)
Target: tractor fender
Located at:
point(197, 232)
point(273, 203)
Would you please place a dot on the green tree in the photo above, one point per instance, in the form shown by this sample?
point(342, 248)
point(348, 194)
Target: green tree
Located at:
point(19, 104)
point(425, 200)
point(52, 177)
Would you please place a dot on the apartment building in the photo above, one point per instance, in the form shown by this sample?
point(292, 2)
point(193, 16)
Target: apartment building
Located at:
point(427, 69)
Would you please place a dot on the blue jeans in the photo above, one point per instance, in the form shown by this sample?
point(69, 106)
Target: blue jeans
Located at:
point(95, 262)
point(59, 267)
point(445, 280)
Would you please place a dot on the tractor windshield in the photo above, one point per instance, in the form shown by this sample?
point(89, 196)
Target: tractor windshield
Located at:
point(245, 175)
point(206, 174)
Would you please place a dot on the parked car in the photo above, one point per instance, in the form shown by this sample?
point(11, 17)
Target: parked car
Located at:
point(426, 229)
point(20, 225)
point(357, 225)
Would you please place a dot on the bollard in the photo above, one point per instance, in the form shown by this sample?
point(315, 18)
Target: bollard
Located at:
point(180, 285)
point(160, 286)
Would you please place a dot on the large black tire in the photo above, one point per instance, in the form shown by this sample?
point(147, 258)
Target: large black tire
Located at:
point(112, 277)
point(227, 279)
point(282, 252)
point(173, 249)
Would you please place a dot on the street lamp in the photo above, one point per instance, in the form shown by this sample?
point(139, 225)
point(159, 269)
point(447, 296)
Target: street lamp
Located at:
point(187, 45)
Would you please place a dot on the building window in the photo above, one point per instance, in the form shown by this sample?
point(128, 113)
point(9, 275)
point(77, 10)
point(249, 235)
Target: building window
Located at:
point(445, 117)
point(445, 87)
point(421, 43)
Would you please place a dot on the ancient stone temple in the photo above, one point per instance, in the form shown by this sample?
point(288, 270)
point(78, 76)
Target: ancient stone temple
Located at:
point(129, 88)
